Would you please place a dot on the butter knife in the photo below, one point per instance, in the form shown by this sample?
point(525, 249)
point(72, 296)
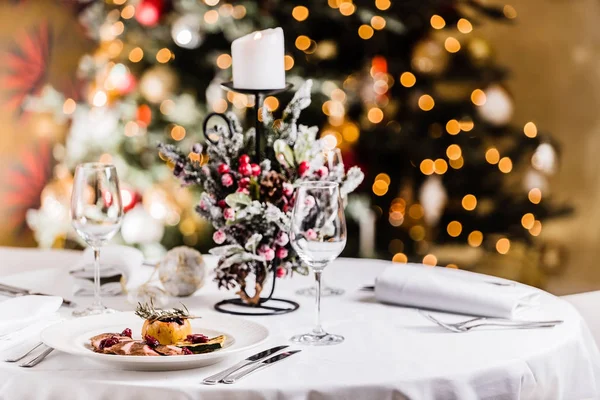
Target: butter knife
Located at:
point(269, 361)
point(214, 379)
point(15, 291)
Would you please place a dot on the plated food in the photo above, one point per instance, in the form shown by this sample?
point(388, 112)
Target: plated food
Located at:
point(164, 333)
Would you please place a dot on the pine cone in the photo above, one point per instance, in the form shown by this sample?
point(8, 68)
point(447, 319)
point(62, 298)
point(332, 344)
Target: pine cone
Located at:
point(271, 187)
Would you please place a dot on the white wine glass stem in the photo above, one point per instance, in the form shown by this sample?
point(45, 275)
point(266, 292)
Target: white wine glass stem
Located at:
point(318, 330)
point(97, 298)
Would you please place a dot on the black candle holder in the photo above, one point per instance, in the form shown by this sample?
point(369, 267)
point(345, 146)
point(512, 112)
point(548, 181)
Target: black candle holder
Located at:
point(272, 309)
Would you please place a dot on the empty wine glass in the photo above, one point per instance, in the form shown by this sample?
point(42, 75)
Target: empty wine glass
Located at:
point(96, 213)
point(318, 234)
point(334, 162)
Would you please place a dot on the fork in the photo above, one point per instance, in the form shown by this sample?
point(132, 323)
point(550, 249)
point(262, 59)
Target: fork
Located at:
point(37, 360)
point(466, 326)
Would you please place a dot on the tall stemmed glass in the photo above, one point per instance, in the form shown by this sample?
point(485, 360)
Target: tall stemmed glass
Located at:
point(96, 213)
point(333, 161)
point(318, 234)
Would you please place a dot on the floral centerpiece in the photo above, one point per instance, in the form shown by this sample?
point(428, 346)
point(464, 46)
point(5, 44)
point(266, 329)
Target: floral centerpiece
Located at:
point(249, 203)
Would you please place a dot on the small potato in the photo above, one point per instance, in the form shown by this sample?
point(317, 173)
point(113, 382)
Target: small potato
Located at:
point(167, 332)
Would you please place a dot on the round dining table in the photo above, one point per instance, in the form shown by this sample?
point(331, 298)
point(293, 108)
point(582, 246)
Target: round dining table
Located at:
point(389, 352)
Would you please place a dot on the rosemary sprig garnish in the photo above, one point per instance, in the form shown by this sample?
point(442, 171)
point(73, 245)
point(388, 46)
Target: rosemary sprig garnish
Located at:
point(150, 313)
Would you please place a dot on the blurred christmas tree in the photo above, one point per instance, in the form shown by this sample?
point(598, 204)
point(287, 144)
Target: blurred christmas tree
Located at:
point(406, 89)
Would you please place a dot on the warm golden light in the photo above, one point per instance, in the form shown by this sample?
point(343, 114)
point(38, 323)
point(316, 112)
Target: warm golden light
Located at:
point(69, 106)
point(505, 165)
point(464, 26)
point(492, 155)
point(430, 260)
point(365, 32)
point(375, 115)
point(136, 55)
point(478, 97)
point(378, 22)
point(100, 99)
point(383, 4)
point(536, 229)
point(530, 130)
point(441, 166)
point(417, 233)
point(178, 132)
point(475, 239)
point(528, 220)
point(347, 8)
point(437, 22)
point(302, 42)
point(426, 102)
point(535, 196)
point(454, 228)
point(416, 211)
point(427, 166)
point(163, 55)
point(211, 17)
point(453, 152)
point(224, 61)
point(220, 106)
point(509, 12)
point(452, 266)
point(380, 188)
point(466, 125)
point(383, 177)
point(408, 79)
point(469, 202)
point(272, 103)
point(503, 245)
point(128, 12)
point(400, 258)
point(132, 129)
point(451, 44)
point(300, 13)
point(289, 62)
point(453, 127)
point(239, 12)
point(457, 164)
point(334, 3)
point(350, 133)
point(211, 2)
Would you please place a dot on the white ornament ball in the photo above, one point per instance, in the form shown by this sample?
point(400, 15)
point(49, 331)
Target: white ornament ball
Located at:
point(186, 31)
point(498, 108)
point(544, 159)
point(433, 198)
point(140, 227)
point(534, 179)
point(182, 271)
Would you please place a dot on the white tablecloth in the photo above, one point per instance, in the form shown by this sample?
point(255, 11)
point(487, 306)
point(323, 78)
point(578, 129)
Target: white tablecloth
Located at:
point(389, 353)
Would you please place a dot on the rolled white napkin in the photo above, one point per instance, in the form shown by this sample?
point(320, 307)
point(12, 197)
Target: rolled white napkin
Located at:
point(115, 260)
point(420, 286)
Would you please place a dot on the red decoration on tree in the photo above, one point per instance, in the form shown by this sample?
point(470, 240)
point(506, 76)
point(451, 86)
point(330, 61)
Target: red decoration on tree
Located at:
point(303, 168)
point(244, 159)
point(223, 168)
point(148, 12)
point(129, 198)
point(245, 169)
point(255, 169)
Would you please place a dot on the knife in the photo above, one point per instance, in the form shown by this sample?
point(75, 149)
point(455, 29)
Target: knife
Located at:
point(214, 379)
point(270, 361)
point(15, 291)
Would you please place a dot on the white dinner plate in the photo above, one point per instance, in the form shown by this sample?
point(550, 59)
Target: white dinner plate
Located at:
point(73, 337)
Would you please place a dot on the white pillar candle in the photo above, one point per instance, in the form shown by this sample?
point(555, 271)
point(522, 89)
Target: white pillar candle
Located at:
point(258, 60)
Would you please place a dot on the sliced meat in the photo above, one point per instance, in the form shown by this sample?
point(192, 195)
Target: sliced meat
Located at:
point(121, 348)
point(95, 341)
point(140, 348)
point(169, 350)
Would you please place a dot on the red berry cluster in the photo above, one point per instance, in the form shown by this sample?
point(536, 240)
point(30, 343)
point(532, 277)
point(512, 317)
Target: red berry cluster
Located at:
point(186, 351)
point(151, 341)
point(197, 338)
point(245, 170)
point(108, 342)
point(126, 332)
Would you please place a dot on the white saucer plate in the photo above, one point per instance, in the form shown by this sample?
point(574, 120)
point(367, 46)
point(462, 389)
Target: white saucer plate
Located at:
point(73, 337)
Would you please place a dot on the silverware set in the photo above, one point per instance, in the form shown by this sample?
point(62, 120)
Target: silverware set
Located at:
point(33, 361)
point(249, 365)
point(466, 326)
point(13, 291)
